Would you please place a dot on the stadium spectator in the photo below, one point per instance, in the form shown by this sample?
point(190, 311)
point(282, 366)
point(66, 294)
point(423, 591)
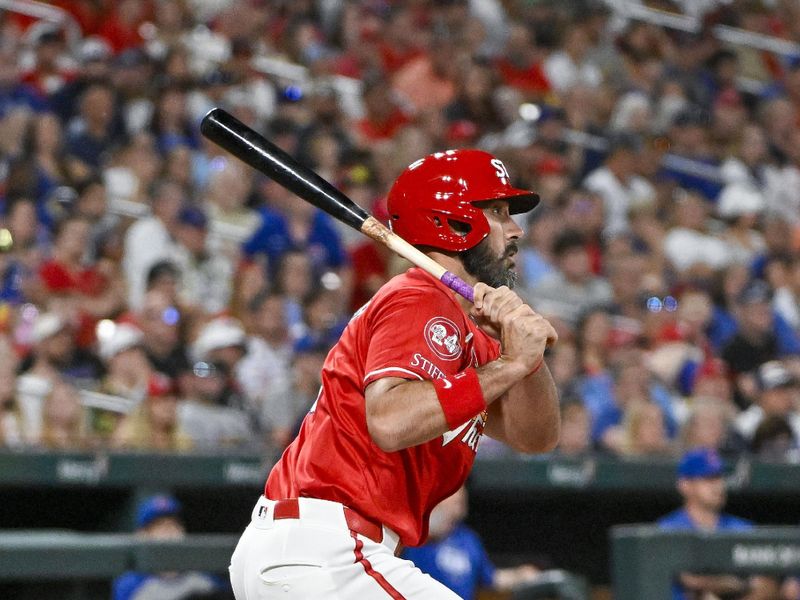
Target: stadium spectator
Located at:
point(761, 337)
point(323, 320)
point(127, 372)
point(573, 64)
point(709, 424)
point(712, 380)
point(688, 246)
point(645, 431)
point(428, 81)
point(207, 414)
point(90, 134)
point(21, 257)
point(206, 278)
point(296, 225)
point(520, 65)
point(455, 556)
point(295, 280)
point(535, 258)
point(43, 166)
point(741, 205)
point(777, 394)
point(308, 356)
point(151, 239)
point(774, 441)
point(14, 93)
point(131, 175)
point(63, 419)
point(473, 103)
point(160, 321)
point(153, 423)
point(159, 518)
point(618, 183)
point(702, 487)
point(609, 395)
point(370, 263)
point(50, 71)
point(171, 122)
point(93, 64)
point(264, 373)
point(164, 277)
point(216, 412)
point(576, 439)
point(126, 365)
point(54, 353)
point(231, 221)
point(88, 290)
point(222, 340)
point(572, 289)
point(565, 368)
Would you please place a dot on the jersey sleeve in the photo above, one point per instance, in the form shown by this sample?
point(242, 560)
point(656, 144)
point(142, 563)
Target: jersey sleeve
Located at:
point(416, 334)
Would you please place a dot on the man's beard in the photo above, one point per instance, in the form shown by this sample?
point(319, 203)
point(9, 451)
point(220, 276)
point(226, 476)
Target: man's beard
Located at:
point(479, 262)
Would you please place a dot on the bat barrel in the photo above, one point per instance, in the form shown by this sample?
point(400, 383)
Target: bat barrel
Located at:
point(228, 132)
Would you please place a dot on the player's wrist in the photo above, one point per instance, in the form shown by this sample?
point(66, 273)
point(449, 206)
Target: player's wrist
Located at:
point(460, 396)
point(518, 368)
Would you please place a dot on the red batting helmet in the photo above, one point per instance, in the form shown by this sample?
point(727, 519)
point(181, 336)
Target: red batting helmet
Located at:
point(442, 188)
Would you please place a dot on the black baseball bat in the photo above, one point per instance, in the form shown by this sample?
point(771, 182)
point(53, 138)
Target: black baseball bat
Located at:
point(252, 148)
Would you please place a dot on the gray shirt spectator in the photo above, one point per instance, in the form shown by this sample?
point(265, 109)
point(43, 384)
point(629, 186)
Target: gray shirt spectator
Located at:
point(572, 290)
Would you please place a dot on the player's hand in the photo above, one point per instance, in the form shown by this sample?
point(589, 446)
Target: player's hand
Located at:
point(523, 333)
point(488, 304)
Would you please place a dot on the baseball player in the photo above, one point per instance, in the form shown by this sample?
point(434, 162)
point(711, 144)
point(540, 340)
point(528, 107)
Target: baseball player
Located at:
point(417, 377)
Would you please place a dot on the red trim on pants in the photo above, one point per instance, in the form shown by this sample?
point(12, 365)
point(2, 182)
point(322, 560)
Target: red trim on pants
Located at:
point(387, 587)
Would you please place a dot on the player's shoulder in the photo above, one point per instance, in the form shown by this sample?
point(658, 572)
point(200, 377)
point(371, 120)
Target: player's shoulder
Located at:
point(414, 279)
point(417, 287)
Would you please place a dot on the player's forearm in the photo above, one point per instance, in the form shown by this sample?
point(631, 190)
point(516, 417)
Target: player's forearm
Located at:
point(529, 419)
point(410, 413)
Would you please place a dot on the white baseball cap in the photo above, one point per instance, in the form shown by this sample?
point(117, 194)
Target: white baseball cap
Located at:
point(736, 200)
point(219, 333)
point(46, 326)
point(123, 337)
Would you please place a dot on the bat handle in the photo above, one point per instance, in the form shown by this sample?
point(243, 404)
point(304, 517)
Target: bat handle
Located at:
point(458, 285)
point(380, 233)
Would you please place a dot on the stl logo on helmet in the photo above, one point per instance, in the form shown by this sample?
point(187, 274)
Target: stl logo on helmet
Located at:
point(443, 337)
point(500, 170)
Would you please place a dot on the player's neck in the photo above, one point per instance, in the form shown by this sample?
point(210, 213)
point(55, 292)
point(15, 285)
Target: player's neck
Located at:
point(456, 267)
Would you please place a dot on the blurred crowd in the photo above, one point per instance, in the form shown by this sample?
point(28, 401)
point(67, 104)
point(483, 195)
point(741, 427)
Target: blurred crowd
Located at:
point(155, 293)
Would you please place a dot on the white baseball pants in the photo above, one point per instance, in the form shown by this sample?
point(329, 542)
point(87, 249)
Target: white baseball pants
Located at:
point(317, 556)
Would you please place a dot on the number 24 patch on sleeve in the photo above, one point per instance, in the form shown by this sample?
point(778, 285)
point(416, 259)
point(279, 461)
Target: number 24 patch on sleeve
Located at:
point(443, 338)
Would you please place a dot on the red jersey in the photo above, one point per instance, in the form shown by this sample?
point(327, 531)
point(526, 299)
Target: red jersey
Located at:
point(413, 328)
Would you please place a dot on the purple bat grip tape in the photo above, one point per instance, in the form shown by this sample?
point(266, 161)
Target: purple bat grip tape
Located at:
point(458, 285)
